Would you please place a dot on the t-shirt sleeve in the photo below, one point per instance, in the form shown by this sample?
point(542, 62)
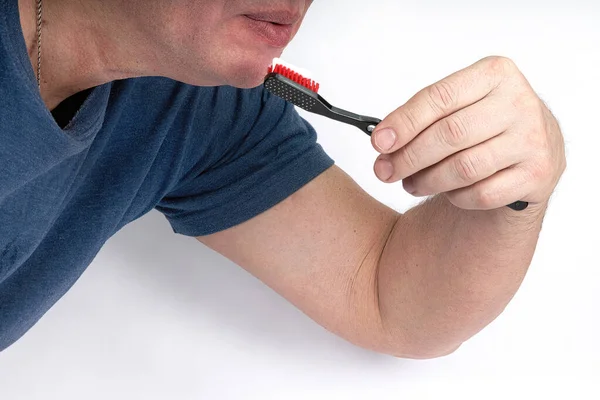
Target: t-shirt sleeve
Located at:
point(264, 152)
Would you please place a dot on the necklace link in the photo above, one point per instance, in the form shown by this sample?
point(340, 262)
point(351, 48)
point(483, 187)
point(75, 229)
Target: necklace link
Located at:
point(39, 42)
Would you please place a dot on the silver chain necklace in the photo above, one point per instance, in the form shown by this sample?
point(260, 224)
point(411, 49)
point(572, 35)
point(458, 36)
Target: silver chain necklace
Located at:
point(39, 42)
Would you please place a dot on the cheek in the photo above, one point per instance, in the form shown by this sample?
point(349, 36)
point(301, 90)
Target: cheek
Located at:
point(218, 49)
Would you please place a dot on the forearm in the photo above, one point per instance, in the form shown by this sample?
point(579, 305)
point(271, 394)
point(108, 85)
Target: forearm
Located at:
point(445, 273)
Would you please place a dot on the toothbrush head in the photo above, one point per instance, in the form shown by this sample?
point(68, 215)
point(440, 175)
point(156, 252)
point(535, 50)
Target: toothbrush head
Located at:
point(293, 73)
point(289, 84)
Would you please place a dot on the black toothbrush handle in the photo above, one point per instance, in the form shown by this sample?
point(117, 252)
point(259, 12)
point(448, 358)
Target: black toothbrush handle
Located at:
point(518, 205)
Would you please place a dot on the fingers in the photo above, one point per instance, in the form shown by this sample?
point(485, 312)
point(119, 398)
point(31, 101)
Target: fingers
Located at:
point(500, 189)
point(481, 135)
point(461, 130)
point(468, 167)
point(437, 101)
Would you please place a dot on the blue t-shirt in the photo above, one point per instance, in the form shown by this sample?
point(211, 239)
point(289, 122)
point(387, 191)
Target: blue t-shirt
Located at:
point(208, 158)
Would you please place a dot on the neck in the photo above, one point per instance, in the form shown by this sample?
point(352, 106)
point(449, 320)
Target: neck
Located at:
point(77, 50)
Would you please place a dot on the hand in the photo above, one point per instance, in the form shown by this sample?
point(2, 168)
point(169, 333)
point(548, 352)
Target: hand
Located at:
point(481, 136)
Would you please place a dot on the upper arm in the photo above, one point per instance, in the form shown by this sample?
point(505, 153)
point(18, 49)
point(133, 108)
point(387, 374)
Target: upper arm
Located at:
point(319, 248)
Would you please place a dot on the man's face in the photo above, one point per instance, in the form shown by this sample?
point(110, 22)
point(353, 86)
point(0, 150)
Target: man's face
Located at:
point(218, 42)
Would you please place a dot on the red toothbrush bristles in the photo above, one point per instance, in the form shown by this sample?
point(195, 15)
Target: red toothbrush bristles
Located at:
point(294, 76)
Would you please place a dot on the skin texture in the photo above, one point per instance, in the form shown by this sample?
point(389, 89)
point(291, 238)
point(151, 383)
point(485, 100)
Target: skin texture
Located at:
point(413, 285)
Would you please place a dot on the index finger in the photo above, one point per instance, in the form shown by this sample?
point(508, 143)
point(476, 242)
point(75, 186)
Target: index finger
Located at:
point(443, 98)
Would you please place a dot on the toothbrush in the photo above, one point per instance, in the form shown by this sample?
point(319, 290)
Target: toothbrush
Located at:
point(294, 85)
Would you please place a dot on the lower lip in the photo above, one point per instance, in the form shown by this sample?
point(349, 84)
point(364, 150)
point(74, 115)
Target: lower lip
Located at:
point(273, 34)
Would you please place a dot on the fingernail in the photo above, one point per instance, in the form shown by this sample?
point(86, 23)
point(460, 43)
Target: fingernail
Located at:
point(385, 170)
point(385, 138)
point(408, 184)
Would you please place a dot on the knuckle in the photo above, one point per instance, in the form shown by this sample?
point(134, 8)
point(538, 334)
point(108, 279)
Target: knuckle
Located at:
point(409, 120)
point(537, 143)
point(467, 168)
point(453, 131)
point(502, 69)
point(484, 197)
point(500, 64)
point(540, 169)
point(524, 101)
point(442, 96)
point(409, 158)
point(536, 138)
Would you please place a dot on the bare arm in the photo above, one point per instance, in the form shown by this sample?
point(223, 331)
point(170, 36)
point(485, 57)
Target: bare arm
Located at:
point(401, 284)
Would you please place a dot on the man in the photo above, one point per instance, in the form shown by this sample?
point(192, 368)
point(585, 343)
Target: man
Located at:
point(158, 104)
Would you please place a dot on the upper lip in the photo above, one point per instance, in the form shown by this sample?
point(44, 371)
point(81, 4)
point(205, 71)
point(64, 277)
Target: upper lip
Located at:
point(281, 17)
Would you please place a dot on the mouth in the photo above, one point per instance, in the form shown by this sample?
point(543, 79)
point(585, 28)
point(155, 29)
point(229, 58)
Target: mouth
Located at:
point(274, 28)
point(281, 17)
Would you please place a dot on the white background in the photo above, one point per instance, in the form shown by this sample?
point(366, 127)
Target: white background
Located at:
point(159, 316)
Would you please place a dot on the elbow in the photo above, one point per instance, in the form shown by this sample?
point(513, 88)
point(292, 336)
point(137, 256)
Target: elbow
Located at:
point(424, 352)
point(422, 348)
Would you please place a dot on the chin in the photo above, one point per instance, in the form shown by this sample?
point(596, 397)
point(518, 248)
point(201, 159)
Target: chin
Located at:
point(247, 78)
point(249, 72)
point(246, 81)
